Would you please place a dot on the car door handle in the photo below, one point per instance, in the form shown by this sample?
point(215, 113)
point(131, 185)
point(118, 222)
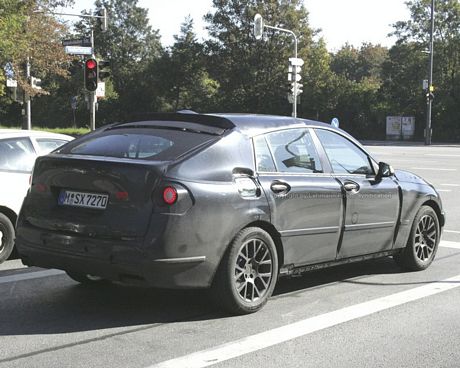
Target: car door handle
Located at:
point(280, 187)
point(351, 186)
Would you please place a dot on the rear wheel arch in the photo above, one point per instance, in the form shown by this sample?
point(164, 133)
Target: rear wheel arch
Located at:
point(246, 277)
point(275, 235)
point(10, 214)
point(270, 229)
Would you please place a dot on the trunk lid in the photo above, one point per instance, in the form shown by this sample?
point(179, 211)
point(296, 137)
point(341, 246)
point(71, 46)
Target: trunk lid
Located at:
point(126, 184)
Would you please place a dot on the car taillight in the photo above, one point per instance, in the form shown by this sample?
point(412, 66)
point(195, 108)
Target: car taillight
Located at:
point(122, 196)
point(39, 187)
point(170, 195)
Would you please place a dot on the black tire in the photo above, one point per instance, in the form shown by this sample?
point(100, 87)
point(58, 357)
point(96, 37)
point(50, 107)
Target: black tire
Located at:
point(249, 267)
point(6, 237)
point(422, 243)
point(87, 279)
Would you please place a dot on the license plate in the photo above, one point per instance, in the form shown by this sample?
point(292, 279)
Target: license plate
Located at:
point(81, 199)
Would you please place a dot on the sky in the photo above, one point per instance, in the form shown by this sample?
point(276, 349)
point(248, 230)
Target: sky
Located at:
point(341, 21)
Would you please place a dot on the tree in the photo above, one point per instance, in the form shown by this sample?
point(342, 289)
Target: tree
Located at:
point(414, 34)
point(130, 44)
point(27, 31)
point(185, 82)
point(253, 75)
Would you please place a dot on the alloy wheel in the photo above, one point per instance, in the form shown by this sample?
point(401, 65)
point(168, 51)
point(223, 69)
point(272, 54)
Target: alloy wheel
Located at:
point(425, 238)
point(253, 270)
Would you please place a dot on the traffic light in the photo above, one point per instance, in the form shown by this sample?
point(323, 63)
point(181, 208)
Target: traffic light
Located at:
point(102, 71)
point(295, 67)
point(91, 76)
point(296, 88)
point(102, 19)
point(429, 96)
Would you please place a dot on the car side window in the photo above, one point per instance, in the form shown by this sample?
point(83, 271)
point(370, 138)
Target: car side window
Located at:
point(264, 160)
point(47, 145)
point(345, 157)
point(294, 151)
point(17, 154)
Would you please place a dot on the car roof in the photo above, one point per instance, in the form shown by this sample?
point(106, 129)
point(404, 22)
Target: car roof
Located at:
point(15, 133)
point(254, 124)
point(217, 123)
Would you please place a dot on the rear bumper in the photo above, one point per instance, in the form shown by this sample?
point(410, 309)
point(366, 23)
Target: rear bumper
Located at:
point(123, 261)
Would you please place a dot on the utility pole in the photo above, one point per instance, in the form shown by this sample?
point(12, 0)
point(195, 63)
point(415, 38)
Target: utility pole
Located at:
point(430, 82)
point(27, 102)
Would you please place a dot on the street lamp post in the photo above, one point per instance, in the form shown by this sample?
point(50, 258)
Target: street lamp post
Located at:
point(259, 25)
point(430, 82)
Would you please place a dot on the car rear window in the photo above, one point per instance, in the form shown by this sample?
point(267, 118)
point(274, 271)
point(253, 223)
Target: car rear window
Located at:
point(139, 143)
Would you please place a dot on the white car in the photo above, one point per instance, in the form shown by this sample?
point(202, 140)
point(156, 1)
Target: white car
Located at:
point(18, 151)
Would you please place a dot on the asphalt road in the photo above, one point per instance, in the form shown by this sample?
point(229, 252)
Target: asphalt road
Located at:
point(364, 315)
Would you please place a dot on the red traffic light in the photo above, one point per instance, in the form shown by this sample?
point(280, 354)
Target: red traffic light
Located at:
point(91, 71)
point(91, 64)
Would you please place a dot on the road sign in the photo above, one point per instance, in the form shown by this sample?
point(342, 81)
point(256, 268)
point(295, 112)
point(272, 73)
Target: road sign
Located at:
point(12, 83)
point(78, 50)
point(425, 84)
point(36, 83)
point(335, 123)
point(296, 61)
point(291, 98)
point(84, 42)
point(100, 91)
point(298, 77)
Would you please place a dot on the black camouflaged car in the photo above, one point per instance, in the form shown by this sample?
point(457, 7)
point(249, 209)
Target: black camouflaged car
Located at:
point(227, 201)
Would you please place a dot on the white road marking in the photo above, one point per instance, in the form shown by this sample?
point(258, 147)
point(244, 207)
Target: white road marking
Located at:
point(414, 161)
point(30, 276)
point(440, 155)
point(304, 327)
point(449, 244)
point(452, 231)
point(451, 185)
point(432, 168)
point(444, 190)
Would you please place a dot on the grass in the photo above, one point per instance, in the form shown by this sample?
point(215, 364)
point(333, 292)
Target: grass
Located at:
point(68, 131)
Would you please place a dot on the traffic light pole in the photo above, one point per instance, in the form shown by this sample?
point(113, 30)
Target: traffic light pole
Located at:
point(27, 102)
point(430, 82)
point(92, 95)
point(294, 103)
point(102, 15)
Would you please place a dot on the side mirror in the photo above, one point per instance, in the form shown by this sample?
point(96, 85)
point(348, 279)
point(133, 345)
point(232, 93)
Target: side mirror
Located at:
point(385, 170)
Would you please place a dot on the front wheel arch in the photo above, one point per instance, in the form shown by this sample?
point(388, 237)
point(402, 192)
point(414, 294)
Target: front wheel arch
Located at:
point(434, 205)
point(411, 257)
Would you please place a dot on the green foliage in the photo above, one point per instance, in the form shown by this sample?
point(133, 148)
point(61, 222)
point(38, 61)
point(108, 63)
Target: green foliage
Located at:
point(252, 74)
point(27, 31)
point(185, 81)
point(409, 64)
point(75, 132)
point(233, 72)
